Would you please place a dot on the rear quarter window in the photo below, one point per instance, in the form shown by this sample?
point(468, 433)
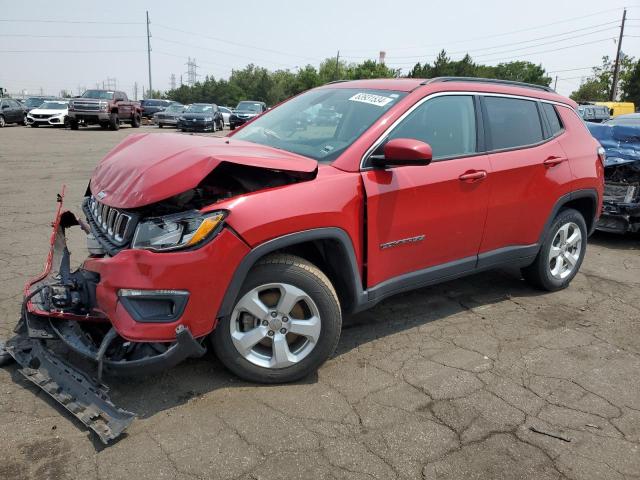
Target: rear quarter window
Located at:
point(555, 124)
point(512, 122)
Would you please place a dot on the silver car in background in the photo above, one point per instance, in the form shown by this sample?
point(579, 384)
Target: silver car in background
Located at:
point(169, 116)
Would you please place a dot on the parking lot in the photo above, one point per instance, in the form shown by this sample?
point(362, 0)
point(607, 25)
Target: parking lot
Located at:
point(481, 377)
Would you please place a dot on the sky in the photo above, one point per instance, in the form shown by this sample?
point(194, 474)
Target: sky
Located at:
point(49, 46)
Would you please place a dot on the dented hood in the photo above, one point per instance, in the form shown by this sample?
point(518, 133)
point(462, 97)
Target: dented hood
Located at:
point(147, 168)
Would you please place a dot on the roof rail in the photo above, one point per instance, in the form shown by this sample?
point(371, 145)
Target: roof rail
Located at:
point(336, 81)
point(488, 80)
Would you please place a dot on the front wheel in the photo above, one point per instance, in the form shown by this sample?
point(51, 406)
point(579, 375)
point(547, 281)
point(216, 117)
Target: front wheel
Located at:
point(114, 121)
point(561, 253)
point(74, 124)
point(135, 121)
point(286, 322)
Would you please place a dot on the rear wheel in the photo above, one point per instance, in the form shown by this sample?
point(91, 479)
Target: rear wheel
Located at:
point(135, 121)
point(286, 322)
point(561, 253)
point(114, 121)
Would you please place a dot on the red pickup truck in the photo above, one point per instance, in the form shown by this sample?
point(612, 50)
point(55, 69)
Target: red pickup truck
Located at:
point(260, 243)
point(107, 108)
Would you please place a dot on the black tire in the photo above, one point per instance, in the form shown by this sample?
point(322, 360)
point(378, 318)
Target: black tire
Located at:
point(114, 122)
point(35, 125)
point(232, 127)
point(296, 271)
point(65, 122)
point(104, 125)
point(159, 125)
point(2, 121)
point(538, 274)
point(74, 124)
point(135, 121)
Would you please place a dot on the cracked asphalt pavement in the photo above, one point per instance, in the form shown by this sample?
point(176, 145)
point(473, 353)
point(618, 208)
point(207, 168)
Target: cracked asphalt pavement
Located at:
point(481, 377)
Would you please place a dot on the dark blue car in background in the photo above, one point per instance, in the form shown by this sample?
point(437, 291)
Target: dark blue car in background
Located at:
point(620, 137)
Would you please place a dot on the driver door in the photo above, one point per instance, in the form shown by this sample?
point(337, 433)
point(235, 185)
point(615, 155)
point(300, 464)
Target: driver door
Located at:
point(429, 219)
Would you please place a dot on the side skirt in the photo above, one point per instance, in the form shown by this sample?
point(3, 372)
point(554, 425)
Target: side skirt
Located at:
point(517, 256)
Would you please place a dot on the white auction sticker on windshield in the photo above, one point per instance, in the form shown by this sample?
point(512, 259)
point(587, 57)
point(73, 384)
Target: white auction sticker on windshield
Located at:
point(371, 99)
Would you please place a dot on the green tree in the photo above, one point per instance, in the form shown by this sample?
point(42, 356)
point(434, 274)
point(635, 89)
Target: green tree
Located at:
point(630, 85)
point(597, 87)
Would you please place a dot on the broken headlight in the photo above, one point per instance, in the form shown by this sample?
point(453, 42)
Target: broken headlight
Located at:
point(173, 232)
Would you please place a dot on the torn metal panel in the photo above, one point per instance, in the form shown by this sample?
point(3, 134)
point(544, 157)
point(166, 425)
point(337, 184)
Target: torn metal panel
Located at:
point(84, 398)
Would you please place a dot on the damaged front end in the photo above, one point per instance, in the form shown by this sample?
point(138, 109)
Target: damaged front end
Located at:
point(621, 205)
point(60, 310)
point(161, 257)
point(621, 202)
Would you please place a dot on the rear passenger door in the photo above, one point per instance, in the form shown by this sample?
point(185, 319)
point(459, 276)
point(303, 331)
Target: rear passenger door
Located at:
point(530, 171)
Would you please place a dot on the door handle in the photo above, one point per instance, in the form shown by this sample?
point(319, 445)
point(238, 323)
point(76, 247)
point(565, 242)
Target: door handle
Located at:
point(553, 160)
point(473, 176)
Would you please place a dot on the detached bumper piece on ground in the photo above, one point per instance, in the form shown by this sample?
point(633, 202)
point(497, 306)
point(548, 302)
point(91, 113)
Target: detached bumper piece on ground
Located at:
point(59, 320)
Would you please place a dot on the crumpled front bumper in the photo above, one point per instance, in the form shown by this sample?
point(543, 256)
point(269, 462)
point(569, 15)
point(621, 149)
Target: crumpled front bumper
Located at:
point(62, 308)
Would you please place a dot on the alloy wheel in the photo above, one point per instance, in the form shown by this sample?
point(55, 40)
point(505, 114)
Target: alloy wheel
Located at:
point(565, 250)
point(275, 325)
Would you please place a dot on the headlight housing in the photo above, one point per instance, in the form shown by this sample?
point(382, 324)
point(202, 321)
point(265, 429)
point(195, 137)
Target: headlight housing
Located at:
point(178, 231)
point(181, 118)
point(208, 119)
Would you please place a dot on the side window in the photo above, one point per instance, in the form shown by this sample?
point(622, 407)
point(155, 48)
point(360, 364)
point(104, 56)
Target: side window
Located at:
point(555, 125)
point(447, 124)
point(512, 122)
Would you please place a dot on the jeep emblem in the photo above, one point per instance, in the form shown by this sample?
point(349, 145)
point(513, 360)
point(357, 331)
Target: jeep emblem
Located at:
point(101, 195)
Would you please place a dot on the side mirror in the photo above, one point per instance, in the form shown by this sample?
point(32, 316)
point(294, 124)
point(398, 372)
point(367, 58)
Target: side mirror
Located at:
point(5, 106)
point(404, 151)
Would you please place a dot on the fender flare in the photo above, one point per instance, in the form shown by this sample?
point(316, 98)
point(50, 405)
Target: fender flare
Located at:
point(329, 233)
point(563, 200)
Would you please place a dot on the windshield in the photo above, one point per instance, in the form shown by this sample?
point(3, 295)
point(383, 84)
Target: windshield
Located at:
point(98, 94)
point(200, 109)
point(174, 109)
point(320, 124)
point(249, 107)
point(33, 102)
point(53, 106)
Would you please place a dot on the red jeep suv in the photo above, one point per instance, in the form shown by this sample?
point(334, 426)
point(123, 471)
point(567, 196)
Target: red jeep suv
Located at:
point(324, 206)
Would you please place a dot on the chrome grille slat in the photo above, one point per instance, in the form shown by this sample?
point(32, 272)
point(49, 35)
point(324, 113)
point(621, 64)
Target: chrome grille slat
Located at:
point(112, 222)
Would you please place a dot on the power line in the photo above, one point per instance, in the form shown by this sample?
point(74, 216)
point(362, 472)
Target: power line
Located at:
point(522, 42)
point(93, 22)
point(221, 52)
point(71, 51)
point(528, 54)
point(471, 52)
point(28, 35)
point(237, 44)
point(503, 34)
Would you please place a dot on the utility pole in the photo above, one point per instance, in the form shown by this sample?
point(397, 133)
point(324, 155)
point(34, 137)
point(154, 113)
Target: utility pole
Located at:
point(149, 50)
point(173, 81)
point(555, 84)
point(616, 67)
point(335, 76)
point(135, 91)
